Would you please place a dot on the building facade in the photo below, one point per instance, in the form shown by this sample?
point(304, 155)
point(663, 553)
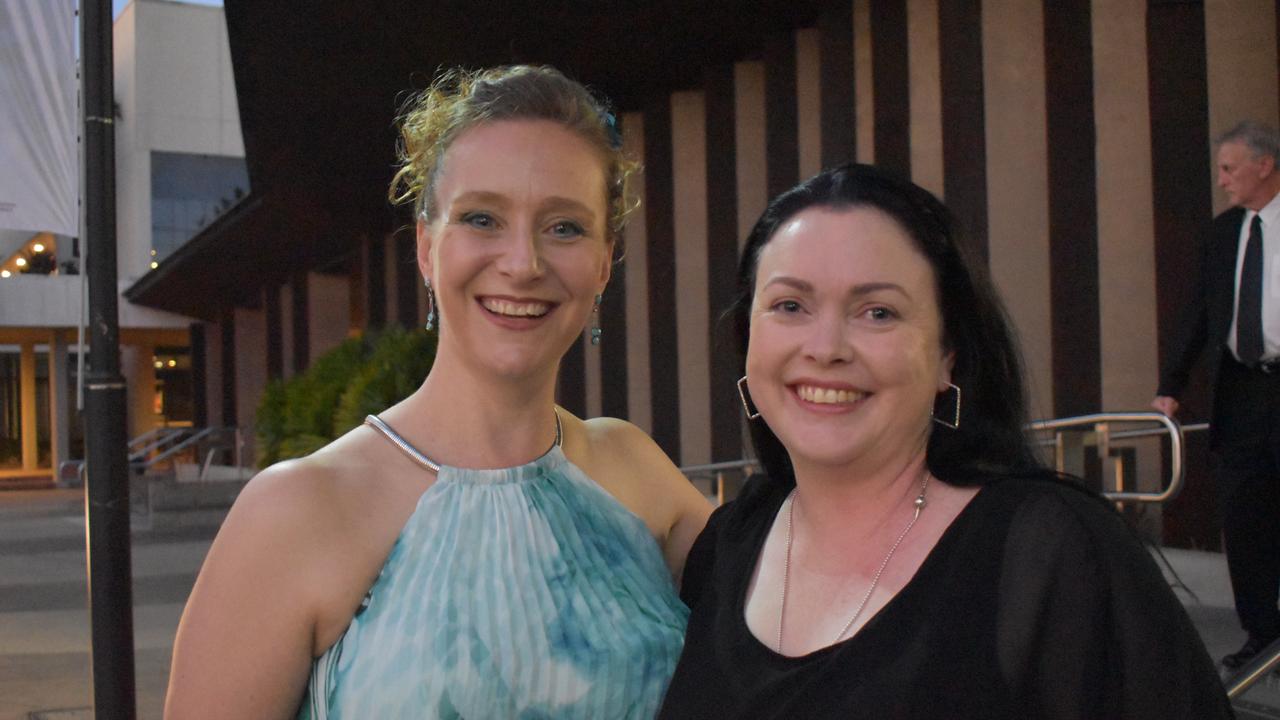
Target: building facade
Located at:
point(1073, 139)
point(179, 164)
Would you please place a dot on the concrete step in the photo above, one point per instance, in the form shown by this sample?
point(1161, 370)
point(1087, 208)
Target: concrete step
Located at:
point(1249, 711)
point(167, 495)
point(172, 500)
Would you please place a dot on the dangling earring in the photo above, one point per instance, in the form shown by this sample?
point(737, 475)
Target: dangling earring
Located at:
point(431, 305)
point(746, 404)
point(596, 332)
point(954, 423)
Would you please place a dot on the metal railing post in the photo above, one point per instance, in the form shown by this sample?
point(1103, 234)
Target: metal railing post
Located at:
point(1069, 452)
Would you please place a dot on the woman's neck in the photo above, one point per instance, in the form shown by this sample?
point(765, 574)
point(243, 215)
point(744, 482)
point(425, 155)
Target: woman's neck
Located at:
point(468, 420)
point(844, 505)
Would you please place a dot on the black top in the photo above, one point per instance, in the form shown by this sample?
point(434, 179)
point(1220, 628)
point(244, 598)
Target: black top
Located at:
point(1037, 602)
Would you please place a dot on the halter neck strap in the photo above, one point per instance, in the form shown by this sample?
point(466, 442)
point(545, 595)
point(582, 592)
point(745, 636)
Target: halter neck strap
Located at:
point(417, 456)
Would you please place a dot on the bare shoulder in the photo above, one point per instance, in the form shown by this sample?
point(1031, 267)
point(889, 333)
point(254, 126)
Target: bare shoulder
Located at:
point(334, 517)
point(299, 502)
point(624, 460)
point(625, 441)
point(280, 583)
point(293, 496)
point(622, 453)
point(289, 531)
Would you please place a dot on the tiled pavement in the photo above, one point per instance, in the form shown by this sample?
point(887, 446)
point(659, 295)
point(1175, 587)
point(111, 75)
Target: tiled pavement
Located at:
point(44, 621)
point(44, 624)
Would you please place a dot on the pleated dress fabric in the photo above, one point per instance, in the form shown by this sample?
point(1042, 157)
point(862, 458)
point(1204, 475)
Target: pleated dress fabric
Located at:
point(526, 592)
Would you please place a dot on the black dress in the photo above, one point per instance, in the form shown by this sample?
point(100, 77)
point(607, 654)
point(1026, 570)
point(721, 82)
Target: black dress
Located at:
point(1037, 602)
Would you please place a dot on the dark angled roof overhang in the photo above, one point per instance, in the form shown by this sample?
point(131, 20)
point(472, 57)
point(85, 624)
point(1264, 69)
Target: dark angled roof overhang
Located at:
point(319, 82)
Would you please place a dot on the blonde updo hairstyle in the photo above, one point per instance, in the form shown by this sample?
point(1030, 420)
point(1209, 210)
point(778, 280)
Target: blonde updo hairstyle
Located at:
point(459, 100)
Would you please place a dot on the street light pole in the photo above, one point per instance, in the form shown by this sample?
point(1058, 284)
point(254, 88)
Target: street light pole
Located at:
point(107, 483)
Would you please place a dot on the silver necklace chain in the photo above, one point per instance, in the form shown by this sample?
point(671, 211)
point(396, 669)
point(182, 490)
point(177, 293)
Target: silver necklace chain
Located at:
point(919, 504)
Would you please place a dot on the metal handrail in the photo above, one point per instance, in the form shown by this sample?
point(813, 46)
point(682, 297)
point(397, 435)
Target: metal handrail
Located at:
point(208, 462)
point(1253, 671)
point(1101, 423)
point(1153, 432)
point(143, 438)
point(715, 472)
point(712, 469)
point(188, 442)
point(166, 436)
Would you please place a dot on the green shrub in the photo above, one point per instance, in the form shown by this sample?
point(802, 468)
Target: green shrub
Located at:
point(269, 423)
point(296, 446)
point(312, 396)
point(358, 377)
point(395, 367)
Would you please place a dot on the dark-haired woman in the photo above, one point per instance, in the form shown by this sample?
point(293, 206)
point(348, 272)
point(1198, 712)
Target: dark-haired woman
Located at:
point(473, 551)
point(906, 556)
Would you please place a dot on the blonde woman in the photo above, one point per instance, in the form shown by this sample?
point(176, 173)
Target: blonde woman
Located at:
point(473, 551)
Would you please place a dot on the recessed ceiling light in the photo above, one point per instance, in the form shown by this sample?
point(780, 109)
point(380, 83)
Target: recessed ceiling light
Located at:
point(20, 262)
point(38, 247)
point(5, 273)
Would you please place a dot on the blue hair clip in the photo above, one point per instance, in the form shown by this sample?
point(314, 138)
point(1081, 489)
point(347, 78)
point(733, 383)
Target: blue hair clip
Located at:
point(611, 128)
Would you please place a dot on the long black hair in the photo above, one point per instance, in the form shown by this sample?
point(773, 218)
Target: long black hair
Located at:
point(990, 440)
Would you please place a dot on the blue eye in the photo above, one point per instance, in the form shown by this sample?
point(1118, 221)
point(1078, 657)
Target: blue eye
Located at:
point(480, 220)
point(566, 229)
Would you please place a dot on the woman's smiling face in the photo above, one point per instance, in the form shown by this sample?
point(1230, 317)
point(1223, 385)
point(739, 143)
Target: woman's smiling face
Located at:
point(518, 248)
point(845, 355)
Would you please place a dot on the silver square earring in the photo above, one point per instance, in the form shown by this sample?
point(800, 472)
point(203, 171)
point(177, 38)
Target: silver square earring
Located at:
point(746, 404)
point(954, 422)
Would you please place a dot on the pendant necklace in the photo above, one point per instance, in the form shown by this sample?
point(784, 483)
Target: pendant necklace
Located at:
point(919, 504)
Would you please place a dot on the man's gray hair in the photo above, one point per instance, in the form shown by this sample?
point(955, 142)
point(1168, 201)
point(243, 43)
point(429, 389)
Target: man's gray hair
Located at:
point(1261, 139)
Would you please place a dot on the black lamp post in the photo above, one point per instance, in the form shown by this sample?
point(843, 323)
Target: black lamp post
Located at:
point(107, 477)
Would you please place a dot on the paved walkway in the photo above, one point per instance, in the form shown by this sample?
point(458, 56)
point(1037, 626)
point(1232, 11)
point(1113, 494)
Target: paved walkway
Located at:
point(44, 623)
point(44, 620)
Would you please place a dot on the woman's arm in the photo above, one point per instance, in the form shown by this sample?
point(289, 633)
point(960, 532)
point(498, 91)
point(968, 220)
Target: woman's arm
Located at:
point(1089, 627)
point(647, 482)
point(247, 636)
point(693, 513)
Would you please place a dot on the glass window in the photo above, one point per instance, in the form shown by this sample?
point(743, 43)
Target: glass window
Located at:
point(189, 192)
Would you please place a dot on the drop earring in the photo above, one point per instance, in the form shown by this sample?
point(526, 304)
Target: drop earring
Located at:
point(596, 331)
point(431, 306)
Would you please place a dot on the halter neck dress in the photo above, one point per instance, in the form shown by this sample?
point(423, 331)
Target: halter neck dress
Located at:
point(522, 592)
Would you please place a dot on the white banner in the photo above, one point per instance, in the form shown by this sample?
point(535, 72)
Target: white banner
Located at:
point(39, 180)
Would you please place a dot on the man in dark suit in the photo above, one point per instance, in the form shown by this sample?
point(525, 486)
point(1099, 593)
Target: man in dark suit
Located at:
point(1234, 311)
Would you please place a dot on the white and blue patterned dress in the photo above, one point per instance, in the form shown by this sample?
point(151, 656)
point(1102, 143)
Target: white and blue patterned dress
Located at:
point(526, 592)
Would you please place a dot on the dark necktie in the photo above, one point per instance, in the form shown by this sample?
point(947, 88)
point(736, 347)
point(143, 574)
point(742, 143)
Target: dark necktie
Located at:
point(1249, 309)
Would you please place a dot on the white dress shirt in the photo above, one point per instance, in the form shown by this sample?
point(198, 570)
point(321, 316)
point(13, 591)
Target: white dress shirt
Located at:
point(1270, 278)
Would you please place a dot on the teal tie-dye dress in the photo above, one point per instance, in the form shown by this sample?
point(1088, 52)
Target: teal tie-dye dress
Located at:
point(526, 592)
